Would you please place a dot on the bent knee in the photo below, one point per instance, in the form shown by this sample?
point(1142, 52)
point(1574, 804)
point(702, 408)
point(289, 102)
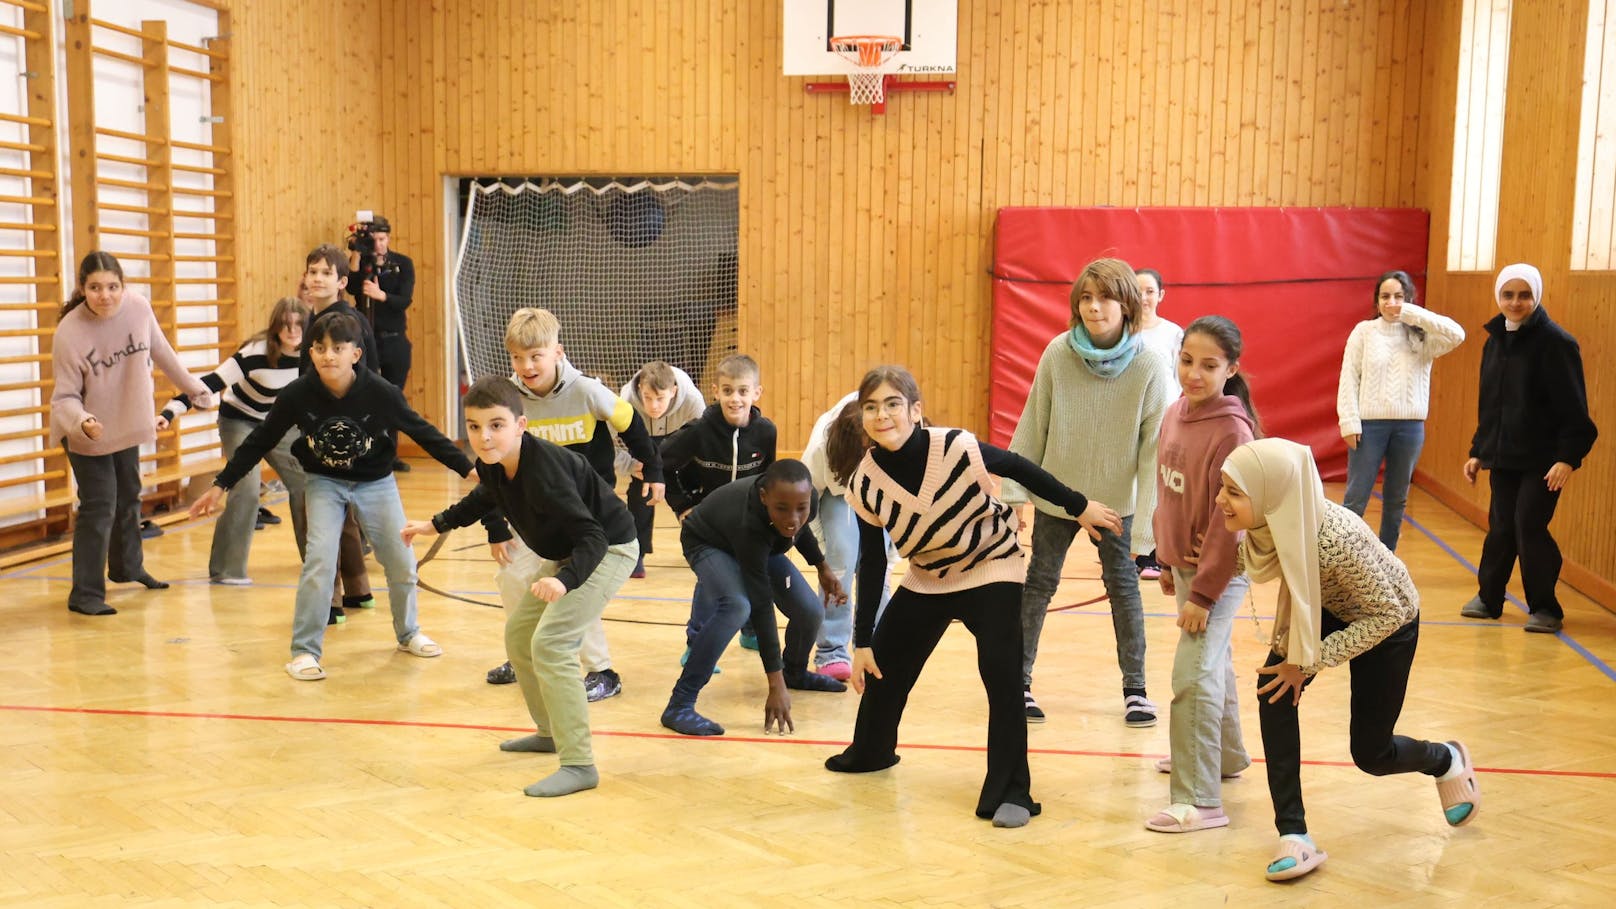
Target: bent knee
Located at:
point(1375, 762)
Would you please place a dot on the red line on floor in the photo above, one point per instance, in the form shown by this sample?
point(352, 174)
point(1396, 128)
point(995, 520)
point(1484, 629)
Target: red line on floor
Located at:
point(673, 736)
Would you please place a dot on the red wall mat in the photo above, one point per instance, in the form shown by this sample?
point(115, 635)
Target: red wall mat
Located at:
point(1295, 280)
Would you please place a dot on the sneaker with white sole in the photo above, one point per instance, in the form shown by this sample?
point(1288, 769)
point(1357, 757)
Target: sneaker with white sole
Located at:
point(598, 686)
point(1138, 711)
point(1035, 714)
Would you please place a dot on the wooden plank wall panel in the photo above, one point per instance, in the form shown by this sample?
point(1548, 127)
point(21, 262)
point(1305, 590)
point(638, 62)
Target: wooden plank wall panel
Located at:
point(1535, 221)
point(308, 129)
point(875, 233)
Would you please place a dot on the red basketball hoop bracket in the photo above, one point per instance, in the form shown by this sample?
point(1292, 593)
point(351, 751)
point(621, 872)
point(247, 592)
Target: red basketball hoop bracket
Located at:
point(890, 83)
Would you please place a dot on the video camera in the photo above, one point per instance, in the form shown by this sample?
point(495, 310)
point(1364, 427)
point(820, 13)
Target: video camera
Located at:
point(362, 240)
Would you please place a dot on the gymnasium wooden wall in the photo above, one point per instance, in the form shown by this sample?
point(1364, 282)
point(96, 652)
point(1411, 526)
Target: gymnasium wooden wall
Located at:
point(867, 240)
point(306, 81)
point(1547, 43)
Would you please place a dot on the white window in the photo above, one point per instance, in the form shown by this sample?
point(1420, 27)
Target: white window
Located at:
point(1593, 234)
point(1478, 134)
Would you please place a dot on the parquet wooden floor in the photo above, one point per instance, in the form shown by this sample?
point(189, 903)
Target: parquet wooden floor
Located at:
point(161, 757)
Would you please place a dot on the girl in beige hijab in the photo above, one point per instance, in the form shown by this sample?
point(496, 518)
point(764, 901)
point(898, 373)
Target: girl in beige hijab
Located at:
point(1343, 598)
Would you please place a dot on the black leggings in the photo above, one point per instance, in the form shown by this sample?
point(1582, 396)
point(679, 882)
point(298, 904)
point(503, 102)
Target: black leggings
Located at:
point(1379, 682)
point(644, 514)
point(906, 636)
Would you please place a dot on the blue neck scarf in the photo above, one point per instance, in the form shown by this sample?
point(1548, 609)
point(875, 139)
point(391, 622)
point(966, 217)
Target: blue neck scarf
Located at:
point(1108, 363)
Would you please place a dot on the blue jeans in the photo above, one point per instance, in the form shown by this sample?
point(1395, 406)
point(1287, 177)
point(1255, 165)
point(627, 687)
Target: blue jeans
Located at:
point(1051, 537)
point(381, 514)
point(1398, 443)
point(837, 529)
point(721, 594)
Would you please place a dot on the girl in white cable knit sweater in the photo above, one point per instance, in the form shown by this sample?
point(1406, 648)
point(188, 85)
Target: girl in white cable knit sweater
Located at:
point(1384, 395)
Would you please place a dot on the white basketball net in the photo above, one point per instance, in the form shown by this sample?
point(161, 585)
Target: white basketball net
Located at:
point(868, 84)
point(636, 270)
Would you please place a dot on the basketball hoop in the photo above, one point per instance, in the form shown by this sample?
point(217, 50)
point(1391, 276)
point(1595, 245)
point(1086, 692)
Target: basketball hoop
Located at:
point(866, 85)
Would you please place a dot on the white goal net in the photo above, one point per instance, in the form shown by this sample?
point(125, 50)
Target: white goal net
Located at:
point(635, 270)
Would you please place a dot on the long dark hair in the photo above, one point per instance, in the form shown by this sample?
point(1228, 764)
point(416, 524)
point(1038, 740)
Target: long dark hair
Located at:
point(1226, 335)
point(1415, 336)
point(845, 443)
point(92, 263)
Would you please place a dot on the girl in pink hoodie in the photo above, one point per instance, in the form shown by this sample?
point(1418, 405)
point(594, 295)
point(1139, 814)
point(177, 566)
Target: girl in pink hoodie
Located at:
point(106, 341)
point(1199, 430)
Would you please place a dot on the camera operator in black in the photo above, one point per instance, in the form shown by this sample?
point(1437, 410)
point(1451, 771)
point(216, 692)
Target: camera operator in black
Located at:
point(384, 294)
point(383, 282)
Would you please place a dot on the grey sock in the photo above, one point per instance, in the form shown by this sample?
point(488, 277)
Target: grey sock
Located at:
point(568, 779)
point(542, 744)
point(1010, 815)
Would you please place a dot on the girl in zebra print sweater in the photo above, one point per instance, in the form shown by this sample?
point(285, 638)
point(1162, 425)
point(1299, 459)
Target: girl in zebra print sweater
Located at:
point(930, 489)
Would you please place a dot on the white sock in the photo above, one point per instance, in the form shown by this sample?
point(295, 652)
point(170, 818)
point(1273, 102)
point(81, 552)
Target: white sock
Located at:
point(1300, 838)
point(1455, 767)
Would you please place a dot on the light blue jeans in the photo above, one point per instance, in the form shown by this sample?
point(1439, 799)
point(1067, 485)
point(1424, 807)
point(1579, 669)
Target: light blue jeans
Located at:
point(381, 515)
point(837, 529)
point(1398, 443)
point(1204, 724)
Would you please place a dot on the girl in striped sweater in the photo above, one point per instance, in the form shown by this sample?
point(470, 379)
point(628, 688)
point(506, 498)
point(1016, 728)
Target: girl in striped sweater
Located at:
point(249, 381)
point(930, 489)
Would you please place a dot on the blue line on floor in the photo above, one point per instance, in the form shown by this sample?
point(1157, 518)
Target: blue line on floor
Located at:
point(1569, 641)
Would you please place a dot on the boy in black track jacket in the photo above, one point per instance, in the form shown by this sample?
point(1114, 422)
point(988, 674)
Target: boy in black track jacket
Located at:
point(731, 440)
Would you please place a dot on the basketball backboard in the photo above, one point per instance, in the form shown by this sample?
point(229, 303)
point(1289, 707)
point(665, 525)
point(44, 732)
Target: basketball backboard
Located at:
point(929, 29)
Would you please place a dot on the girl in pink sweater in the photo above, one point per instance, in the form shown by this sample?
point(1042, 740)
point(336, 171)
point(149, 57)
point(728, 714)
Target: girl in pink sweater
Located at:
point(1213, 418)
point(107, 339)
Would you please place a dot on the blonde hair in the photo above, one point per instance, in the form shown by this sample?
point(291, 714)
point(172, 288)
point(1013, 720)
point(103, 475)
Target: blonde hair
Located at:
point(530, 328)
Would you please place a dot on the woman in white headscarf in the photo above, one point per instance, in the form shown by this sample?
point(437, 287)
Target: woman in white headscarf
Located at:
point(1532, 431)
point(1343, 598)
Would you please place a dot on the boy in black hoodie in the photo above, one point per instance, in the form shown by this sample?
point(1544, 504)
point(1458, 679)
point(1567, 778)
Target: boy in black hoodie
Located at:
point(584, 535)
point(348, 418)
point(736, 541)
